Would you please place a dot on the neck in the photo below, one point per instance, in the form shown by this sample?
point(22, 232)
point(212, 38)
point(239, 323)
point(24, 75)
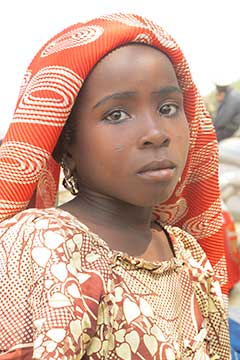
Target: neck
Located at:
point(123, 226)
point(103, 210)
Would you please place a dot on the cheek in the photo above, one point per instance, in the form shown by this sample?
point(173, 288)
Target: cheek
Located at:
point(182, 141)
point(105, 150)
point(114, 141)
point(118, 148)
point(183, 147)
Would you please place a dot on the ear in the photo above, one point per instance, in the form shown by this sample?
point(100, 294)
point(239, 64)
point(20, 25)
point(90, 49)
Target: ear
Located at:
point(68, 164)
point(69, 170)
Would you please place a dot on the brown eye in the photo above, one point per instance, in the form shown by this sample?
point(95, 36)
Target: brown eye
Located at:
point(168, 109)
point(116, 116)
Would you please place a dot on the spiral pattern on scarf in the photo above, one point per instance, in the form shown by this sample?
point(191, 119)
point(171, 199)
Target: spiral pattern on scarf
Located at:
point(170, 214)
point(49, 96)
point(77, 37)
point(184, 76)
point(25, 81)
point(203, 167)
point(126, 19)
point(15, 160)
point(144, 38)
point(46, 189)
point(7, 206)
point(200, 228)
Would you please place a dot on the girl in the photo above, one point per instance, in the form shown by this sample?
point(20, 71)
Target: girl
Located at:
point(115, 273)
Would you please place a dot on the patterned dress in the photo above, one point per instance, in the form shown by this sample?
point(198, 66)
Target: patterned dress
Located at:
point(66, 295)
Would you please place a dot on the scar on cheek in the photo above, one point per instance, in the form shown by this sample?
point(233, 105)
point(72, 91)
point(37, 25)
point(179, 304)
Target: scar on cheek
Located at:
point(119, 147)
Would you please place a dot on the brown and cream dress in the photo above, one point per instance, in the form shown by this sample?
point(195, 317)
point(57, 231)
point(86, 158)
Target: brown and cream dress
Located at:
point(66, 295)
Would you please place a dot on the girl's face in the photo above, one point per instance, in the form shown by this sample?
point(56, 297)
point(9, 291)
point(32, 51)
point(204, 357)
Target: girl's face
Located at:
point(131, 136)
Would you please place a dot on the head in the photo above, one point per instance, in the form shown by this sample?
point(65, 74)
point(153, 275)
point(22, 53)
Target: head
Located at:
point(64, 79)
point(123, 140)
point(129, 115)
point(221, 91)
point(50, 92)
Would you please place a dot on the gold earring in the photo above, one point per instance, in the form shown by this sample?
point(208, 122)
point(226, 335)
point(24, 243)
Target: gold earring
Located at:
point(69, 181)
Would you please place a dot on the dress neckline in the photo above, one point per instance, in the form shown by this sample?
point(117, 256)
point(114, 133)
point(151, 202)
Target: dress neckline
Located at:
point(117, 257)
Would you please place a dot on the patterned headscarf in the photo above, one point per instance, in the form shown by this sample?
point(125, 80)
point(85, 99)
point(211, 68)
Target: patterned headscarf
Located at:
point(48, 92)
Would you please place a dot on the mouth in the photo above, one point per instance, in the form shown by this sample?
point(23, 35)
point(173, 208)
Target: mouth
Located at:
point(158, 170)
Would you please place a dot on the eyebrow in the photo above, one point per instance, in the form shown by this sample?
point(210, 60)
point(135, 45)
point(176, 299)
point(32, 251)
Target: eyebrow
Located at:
point(126, 94)
point(167, 90)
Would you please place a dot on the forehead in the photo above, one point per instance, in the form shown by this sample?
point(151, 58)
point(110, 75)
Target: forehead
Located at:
point(130, 64)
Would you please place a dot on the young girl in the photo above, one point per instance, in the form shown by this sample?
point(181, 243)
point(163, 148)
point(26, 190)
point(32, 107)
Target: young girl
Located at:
point(109, 275)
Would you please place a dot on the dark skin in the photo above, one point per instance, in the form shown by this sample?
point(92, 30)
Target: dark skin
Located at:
point(129, 149)
point(220, 95)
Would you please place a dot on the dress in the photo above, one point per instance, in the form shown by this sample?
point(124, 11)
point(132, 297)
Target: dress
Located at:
point(66, 295)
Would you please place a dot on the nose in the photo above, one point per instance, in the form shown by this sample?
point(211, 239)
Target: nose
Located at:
point(155, 135)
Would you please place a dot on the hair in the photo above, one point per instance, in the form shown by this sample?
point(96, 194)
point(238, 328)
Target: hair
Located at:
point(65, 139)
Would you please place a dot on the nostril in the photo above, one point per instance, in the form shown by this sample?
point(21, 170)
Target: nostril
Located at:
point(154, 139)
point(166, 142)
point(156, 142)
point(147, 143)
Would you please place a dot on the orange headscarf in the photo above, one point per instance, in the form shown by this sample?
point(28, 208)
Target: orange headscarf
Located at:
point(47, 95)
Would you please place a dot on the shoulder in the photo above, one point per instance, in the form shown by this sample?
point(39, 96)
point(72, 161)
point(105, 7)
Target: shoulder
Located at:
point(52, 236)
point(50, 223)
point(235, 93)
point(233, 97)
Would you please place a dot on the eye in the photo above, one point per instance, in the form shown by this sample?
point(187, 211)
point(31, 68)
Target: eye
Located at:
point(168, 109)
point(116, 116)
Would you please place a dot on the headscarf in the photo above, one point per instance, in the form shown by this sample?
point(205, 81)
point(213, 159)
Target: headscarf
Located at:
point(29, 175)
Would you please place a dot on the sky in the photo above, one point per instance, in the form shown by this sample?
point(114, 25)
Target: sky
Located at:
point(208, 32)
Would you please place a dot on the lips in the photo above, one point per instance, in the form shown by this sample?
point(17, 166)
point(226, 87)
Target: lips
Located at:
point(157, 165)
point(158, 170)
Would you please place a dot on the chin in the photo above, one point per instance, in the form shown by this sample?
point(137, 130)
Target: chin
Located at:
point(162, 197)
point(150, 198)
point(151, 202)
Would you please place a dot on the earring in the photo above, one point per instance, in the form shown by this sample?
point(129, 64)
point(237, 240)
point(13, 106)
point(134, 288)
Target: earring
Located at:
point(69, 181)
